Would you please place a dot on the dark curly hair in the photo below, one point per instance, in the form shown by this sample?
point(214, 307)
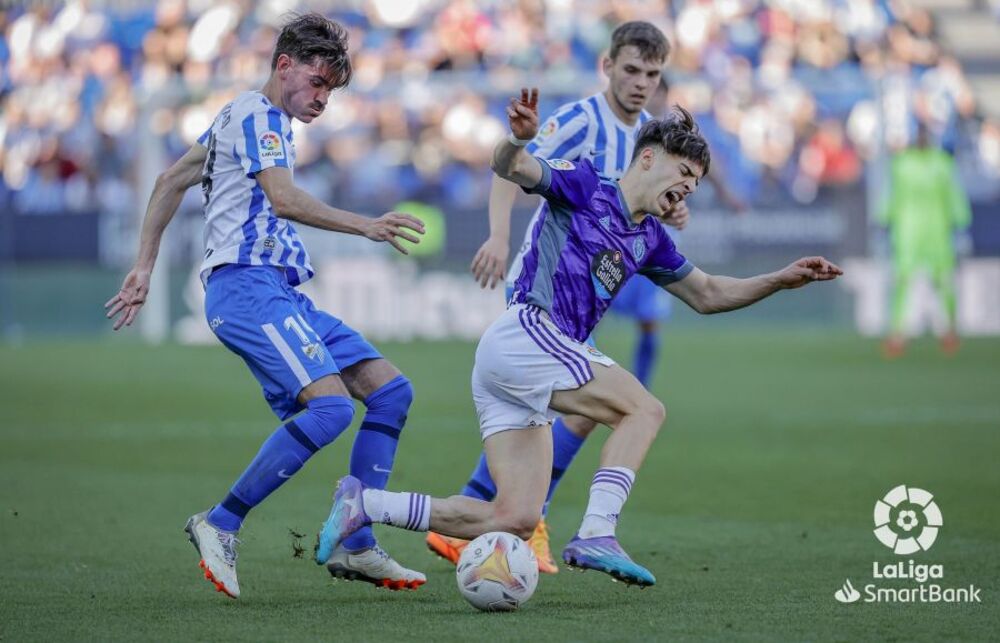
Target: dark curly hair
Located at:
point(312, 38)
point(676, 134)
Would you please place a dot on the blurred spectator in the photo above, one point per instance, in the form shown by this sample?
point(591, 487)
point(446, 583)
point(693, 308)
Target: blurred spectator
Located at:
point(432, 78)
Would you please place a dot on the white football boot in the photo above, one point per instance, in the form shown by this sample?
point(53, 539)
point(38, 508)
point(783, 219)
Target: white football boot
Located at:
point(373, 566)
point(217, 549)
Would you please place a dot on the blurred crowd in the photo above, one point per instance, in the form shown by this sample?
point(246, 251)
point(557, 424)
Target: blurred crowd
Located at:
point(794, 95)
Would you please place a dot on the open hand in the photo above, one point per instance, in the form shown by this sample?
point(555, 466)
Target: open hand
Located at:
point(395, 224)
point(130, 298)
point(523, 114)
point(490, 262)
point(808, 270)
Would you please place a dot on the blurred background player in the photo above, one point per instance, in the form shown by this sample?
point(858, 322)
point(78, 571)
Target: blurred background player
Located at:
point(533, 359)
point(600, 128)
point(925, 208)
point(309, 363)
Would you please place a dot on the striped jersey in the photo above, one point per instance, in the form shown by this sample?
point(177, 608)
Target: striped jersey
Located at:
point(586, 246)
point(584, 129)
point(248, 136)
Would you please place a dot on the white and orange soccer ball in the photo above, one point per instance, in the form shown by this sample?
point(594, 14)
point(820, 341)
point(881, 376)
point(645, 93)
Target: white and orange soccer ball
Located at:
point(497, 572)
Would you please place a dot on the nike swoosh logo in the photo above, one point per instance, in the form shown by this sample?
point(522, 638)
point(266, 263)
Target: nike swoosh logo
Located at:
point(282, 474)
point(379, 469)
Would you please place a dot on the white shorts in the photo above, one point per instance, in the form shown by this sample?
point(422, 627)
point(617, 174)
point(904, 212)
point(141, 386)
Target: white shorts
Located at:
point(521, 359)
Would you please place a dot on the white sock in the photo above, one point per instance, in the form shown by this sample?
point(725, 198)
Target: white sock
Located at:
point(608, 492)
point(399, 509)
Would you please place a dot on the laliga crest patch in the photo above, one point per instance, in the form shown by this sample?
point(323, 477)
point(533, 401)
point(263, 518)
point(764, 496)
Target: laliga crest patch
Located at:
point(560, 164)
point(269, 146)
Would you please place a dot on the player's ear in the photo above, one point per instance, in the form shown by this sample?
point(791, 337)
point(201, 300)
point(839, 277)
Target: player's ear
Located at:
point(284, 63)
point(607, 65)
point(647, 157)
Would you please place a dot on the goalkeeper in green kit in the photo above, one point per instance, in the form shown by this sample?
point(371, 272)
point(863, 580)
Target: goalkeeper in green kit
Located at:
point(926, 205)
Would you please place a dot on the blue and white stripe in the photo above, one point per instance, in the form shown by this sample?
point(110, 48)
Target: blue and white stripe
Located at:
point(241, 225)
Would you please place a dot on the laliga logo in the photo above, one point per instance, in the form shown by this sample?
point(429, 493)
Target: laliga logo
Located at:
point(269, 141)
point(907, 520)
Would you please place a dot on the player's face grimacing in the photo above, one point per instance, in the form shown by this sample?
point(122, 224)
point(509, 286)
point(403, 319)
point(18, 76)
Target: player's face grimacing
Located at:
point(305, 88)
point(632, 80)
point(667, 180)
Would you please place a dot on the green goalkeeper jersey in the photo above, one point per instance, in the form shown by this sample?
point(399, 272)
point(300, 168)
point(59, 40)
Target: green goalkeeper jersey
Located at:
point(925, 205)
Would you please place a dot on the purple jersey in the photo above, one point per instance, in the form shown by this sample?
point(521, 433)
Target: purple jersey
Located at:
point(586, 246)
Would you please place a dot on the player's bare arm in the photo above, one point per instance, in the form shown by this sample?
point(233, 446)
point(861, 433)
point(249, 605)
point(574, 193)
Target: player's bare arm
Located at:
point(510, 160)
point(291, 202)
point(167, 193)
point(490, 262)
point(710, 294)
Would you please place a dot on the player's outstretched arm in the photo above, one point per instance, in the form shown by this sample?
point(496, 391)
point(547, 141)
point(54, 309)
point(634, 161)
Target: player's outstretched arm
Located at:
point(167, 193)
point(709, 294)
point(510, 160)
point(290, 202)
point(490, 262)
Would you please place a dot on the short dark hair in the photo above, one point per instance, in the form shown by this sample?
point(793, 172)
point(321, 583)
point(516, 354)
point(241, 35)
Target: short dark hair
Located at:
point(653, 46)
point(312, 38)
point(676, 134)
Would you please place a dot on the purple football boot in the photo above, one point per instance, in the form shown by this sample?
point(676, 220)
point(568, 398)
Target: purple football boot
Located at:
point(346, 517)
point(605, 555)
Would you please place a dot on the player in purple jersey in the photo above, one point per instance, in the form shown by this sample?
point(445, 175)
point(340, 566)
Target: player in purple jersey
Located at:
point(532, 361)
point(601, 128)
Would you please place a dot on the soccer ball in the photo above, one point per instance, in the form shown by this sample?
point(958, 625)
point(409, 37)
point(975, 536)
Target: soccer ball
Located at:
point(497, 572)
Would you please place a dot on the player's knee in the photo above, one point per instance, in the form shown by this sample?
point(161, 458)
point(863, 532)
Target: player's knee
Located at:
point(650, 412)
point(391, 402)
point(326, 419)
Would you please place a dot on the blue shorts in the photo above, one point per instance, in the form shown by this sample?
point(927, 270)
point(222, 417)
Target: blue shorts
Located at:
point(642, 300)
point(279, 333)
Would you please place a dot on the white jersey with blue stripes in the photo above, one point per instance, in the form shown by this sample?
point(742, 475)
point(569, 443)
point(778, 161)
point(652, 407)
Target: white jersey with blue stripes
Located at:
point(584, 129)
point(248, 136)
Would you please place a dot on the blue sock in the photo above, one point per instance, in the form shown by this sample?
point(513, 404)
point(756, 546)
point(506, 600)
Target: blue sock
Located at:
point(565, 446)
point(281, 456)
point(646, 352)
point(480, 485)
point(375, 446)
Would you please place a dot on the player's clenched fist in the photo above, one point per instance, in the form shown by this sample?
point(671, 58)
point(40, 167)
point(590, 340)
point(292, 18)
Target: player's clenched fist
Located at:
point(807, 270)
point(391, 225)
point(523, 114)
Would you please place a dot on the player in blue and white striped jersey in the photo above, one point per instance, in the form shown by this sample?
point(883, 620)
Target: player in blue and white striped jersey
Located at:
point(600, 129)
point(309, 363)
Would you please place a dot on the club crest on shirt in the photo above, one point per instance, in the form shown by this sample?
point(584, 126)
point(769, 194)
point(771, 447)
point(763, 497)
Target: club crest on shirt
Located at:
point(607, 271)
point(269, 146)
point(560, 164)
point(639, 248)
point(606, 222)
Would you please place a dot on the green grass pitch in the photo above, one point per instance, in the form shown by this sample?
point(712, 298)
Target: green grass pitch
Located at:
point(753, 507)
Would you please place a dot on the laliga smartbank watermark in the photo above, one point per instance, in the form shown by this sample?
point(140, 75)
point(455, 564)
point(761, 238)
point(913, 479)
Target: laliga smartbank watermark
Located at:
point(907, 521)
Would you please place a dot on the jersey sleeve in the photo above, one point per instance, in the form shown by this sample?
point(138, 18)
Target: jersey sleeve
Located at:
point(203, 139)
point(565, 182)
point(263, 140)
point(665, 264)
point(563, 135)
